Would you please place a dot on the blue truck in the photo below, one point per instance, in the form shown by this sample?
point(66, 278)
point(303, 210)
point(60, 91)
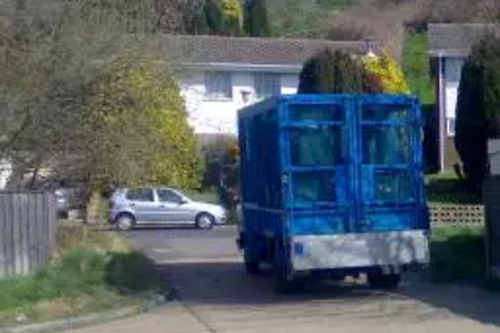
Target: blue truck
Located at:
point(332, 186)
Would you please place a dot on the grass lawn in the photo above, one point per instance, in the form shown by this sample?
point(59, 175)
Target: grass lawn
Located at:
point(91, 271)
point(458, 254)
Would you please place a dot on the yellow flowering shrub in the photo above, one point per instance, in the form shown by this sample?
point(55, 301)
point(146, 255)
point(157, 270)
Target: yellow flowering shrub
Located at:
point(140, 131)
point(232, 13)
point(389, 73)
point(233, 10)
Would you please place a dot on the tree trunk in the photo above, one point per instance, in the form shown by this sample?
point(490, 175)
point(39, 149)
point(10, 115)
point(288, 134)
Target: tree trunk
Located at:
point(34, 178)
point(94, 213)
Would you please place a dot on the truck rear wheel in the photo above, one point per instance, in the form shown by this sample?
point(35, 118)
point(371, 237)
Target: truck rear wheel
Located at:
point(252, 267)
point(384, 281)
point(284, 286)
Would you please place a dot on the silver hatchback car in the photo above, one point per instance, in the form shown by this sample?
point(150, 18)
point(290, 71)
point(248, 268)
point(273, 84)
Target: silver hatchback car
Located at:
point(131, 207)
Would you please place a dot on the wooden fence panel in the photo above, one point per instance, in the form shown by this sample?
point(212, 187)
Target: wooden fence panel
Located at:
point(27, 231)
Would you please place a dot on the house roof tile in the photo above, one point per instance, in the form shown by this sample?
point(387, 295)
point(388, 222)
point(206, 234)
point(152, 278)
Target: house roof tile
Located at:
point(258, 51)
point(457, 39)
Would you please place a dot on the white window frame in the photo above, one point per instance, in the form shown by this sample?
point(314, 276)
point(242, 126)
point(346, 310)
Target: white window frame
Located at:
point(218, 86)
point(450, 127)
point(266, 85)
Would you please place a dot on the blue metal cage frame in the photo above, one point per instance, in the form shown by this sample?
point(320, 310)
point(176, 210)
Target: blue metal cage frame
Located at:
point(270, 204)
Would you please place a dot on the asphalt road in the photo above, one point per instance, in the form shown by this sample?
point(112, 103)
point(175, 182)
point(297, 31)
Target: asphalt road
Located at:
point(181, 245)
point(216, 296)
point(206, 270)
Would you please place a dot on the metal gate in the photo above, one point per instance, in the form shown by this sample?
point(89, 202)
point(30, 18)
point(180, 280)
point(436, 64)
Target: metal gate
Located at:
point(390, 164)
point(354, 164)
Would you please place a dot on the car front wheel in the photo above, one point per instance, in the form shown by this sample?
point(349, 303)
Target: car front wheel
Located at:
point(205, 221)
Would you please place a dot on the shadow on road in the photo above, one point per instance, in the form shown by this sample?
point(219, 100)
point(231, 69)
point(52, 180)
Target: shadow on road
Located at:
point(182, 229)
point(155, 227)
point(225, 283)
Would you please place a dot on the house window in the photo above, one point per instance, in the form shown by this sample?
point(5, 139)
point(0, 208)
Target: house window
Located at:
point(218, 86)
point(453, 69)
point(267, 85)
point(450, 126)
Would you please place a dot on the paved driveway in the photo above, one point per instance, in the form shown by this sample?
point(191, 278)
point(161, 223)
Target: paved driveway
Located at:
point(216, 296)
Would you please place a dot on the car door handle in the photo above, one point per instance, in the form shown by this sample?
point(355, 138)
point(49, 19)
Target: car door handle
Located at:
point(132, 204)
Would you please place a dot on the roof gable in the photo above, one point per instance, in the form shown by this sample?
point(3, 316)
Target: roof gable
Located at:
point(457, 39)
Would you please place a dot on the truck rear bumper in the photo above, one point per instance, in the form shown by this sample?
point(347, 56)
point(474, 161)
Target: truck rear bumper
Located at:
point(359, 250)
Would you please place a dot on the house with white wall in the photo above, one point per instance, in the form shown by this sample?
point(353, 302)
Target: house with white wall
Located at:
point(220, 75)
point(5, 172)
point(449, 47)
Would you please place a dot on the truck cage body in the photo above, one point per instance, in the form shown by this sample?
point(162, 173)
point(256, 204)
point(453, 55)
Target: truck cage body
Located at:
point(333, 182)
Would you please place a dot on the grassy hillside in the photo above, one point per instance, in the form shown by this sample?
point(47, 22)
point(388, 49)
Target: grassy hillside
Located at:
point(303, 18)
point(416, 67)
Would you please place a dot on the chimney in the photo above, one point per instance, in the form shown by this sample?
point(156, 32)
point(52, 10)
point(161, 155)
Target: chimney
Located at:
point(370, 48)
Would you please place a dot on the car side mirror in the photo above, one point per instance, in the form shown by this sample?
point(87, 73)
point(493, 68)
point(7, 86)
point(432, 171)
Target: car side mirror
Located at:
point(183, 202)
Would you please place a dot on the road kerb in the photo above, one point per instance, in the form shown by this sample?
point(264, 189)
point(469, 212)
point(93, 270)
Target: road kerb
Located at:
point(87, 320)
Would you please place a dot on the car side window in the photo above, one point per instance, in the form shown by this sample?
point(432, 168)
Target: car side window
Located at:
point(165, 195)
point(141, 194)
